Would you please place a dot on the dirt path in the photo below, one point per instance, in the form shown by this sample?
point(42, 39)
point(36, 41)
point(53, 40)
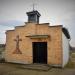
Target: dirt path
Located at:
point(13, 69)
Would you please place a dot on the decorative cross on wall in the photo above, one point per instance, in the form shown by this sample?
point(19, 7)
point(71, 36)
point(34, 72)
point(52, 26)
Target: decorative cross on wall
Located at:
point(17, 40)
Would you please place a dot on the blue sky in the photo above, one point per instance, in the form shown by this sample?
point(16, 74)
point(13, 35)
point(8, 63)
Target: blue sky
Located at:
point(55, 12)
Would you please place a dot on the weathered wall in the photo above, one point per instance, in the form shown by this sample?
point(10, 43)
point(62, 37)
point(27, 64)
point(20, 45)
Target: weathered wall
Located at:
point(55, 48)
point(54, 43)
point(25, 45)
point(65, 45)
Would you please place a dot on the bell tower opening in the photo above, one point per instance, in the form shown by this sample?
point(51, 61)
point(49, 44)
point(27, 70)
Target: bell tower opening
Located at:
point(33, 16)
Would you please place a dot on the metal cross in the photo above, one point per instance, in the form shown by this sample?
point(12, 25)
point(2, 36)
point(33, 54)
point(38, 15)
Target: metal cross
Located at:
point(34, 6)
point(17, 51)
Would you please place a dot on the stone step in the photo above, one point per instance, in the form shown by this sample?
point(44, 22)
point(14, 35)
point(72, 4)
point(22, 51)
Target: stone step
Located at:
point(44, 67)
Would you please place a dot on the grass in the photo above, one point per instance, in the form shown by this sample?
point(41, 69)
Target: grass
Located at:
point(2, 49)
point(70, 64)
point(73, 55)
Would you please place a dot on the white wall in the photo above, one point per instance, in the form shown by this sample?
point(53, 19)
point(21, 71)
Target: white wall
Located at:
point(65, 46)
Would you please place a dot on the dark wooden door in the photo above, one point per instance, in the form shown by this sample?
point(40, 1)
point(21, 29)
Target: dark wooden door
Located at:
point(40, 52)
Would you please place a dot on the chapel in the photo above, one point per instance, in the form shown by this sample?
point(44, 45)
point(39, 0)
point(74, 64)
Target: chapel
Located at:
point(37, 43)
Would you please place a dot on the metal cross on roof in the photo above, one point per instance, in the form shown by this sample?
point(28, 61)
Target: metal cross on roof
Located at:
point(34, 4)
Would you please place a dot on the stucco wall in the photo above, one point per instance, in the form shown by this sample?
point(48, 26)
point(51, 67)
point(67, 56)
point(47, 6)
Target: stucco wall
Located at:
point(55, 49)
point(65, 45)
point(54, 43)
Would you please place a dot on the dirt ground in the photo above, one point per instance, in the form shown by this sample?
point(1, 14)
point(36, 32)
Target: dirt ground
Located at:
point(14, 69)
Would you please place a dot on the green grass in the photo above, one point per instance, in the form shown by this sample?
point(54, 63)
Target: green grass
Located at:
point(73, 55)
point(2, 49)
point(70, 64)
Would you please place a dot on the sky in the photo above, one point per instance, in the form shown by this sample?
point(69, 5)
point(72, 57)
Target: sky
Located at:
point(55, 12)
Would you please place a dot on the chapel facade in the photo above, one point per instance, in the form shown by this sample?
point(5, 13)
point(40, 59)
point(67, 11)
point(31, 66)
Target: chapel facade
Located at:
point(37, 43)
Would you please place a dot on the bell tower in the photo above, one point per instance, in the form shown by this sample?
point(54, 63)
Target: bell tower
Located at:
point(33, 16)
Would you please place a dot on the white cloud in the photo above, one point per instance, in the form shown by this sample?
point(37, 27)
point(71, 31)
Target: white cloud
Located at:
point(54, 11)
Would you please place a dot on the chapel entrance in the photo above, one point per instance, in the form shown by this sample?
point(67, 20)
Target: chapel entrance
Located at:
point(40, 52)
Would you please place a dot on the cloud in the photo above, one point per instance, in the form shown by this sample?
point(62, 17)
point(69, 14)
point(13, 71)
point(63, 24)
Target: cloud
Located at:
point(11, 23)
point(2, 33)
point(13, 13)
point(7, 25)
point(2, 38)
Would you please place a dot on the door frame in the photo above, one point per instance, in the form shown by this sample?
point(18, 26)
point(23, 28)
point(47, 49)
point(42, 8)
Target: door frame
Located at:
point(33, 52)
